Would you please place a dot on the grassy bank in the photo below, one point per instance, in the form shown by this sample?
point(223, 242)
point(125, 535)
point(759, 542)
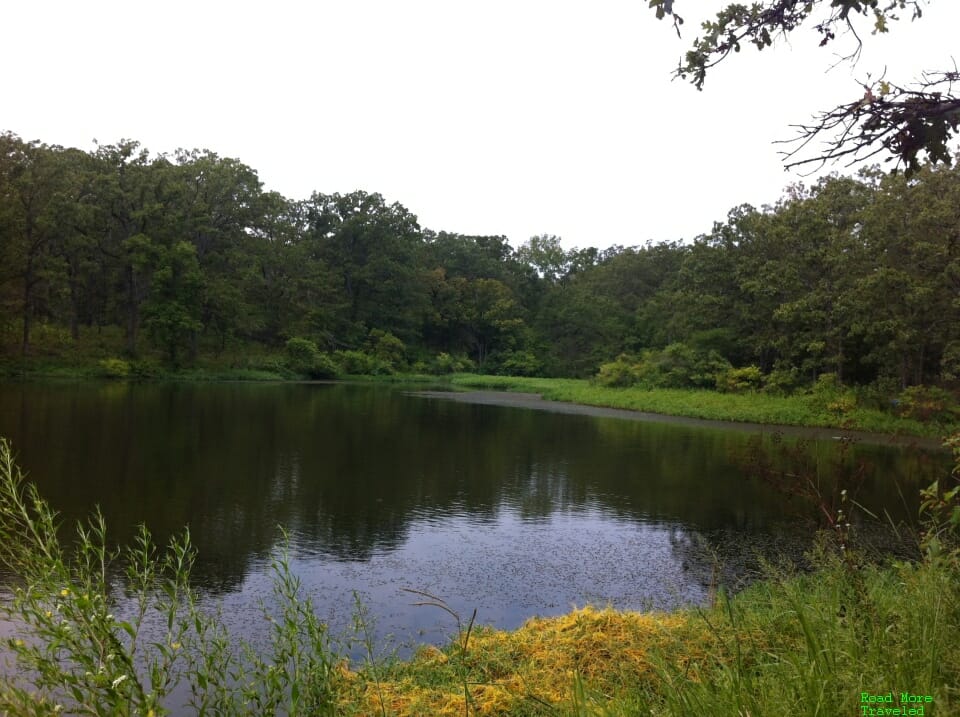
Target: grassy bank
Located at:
point(753, 407)
point(790, 645)
point(797, 410)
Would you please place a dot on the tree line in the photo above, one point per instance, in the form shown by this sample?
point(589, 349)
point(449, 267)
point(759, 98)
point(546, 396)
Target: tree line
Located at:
point(186, 254)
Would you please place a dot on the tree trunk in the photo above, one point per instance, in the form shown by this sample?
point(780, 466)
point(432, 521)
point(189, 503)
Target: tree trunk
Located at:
point(74, 305)
point(27, 307)
point(133, 311)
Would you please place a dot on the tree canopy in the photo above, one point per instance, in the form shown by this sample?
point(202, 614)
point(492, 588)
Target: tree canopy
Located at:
point(185, 255)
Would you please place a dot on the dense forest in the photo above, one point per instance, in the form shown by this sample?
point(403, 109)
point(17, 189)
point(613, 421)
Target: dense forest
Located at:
point(174, 257)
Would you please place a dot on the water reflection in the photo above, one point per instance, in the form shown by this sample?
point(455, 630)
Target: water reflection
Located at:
point(513, 511)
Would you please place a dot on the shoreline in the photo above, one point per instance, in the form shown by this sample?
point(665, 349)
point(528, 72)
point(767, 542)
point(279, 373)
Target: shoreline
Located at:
point(795, 415)
point(536, 402)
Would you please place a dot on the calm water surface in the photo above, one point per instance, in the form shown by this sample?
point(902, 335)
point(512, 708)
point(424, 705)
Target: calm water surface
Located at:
point(510, 511)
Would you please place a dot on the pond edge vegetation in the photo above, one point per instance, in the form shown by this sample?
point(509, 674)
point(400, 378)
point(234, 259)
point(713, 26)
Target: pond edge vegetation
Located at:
point(827, 406)
point(809, 643)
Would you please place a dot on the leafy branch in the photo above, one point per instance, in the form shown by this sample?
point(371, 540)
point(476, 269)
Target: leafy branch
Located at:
point(909, 122)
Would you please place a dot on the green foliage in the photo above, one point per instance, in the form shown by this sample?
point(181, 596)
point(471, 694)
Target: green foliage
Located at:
point(547, 257)
point(676, 366)
point(114, 368)
point(325, 366)
point(739, 380)
point(950, 362)
point(827, 387)
point(301, 354)
point(782, 380)
point(361, 364)
point(387, 348)
point(852, 276)
point(620, 373)
point(828, 394)
point(75, 654)
point(304, 358)
point(680, 366)
point(928, 404)
point(514, 363)
point(760, 407)
point(171, 315)
point(940, 509)
point(445, 363)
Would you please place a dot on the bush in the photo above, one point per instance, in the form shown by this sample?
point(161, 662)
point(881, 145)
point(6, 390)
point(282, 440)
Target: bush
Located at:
point(782, 381)
point(515, 363)
point(113, 368)
point(676, 366)
point(950, 362)
point(928, 404)
point(828, 393)
point(620, 373)
point(359, 363)
point(387, 348)
point(304, 358)
point(739, 380)
point(324, 367)
point(301, 355)
point(680, 366)
point(827, 387)
point(880, 395)
point(445, 363)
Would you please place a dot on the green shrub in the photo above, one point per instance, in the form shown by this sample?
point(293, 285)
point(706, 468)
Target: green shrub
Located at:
point(114, 368)
point(359, 363)
point(928, 404)
point(950, 362)
point(676, 366)
point(515, 363)
point(739, 380)
point(880, 395)
point(683, 367)
point(144, 369)
point(827, 384)
point(940, 508)
point(830, 395)
point(324, 367)
point(620, 373)
point(783, 380)
point(445, 363)
point(304, 358)
point(301, 355)
point(387, 348)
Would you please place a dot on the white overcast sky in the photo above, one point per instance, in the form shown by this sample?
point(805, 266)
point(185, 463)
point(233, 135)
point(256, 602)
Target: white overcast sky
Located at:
point(514, 117)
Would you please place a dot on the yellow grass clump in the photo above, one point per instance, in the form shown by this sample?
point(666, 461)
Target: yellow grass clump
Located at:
point(538, 664)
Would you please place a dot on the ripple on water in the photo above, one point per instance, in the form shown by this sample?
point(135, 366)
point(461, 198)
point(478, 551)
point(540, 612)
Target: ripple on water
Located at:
point(506, 566)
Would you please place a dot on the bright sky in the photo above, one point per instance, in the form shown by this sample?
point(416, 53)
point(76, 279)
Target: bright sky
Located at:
point(515, 117)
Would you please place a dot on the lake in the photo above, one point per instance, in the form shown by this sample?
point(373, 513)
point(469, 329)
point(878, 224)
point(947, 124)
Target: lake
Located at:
point(510, 511)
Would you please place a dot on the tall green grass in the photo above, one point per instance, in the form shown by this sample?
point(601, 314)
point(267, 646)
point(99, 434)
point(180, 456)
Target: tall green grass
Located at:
point(77, 654)
point(694, 403)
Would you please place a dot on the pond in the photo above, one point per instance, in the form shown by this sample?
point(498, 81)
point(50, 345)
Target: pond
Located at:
point(510, 511)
